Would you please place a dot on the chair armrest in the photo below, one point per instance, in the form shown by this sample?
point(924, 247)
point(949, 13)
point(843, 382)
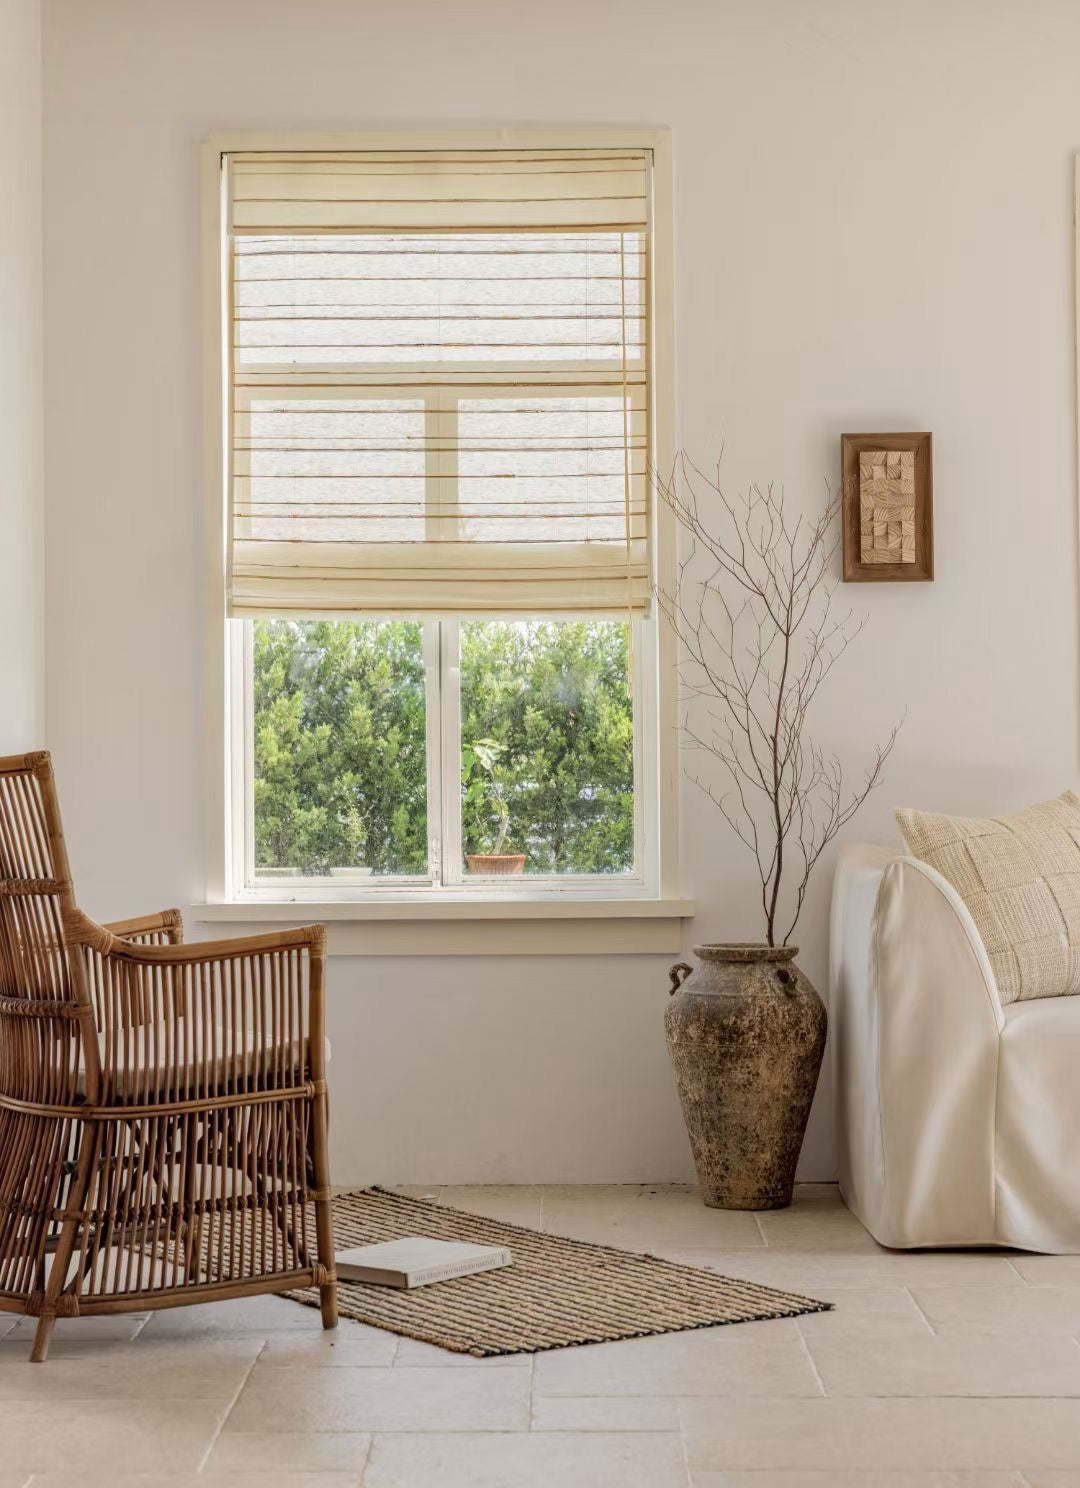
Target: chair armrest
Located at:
point(916, 1020)
point(141, 929)
point(111, 940)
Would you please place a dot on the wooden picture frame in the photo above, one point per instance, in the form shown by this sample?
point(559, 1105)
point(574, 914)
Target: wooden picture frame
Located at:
point(893, 547)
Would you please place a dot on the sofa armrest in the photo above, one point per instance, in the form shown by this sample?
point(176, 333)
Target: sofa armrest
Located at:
point(916, 1020)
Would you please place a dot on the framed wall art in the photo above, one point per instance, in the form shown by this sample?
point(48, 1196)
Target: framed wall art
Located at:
point(887, 507)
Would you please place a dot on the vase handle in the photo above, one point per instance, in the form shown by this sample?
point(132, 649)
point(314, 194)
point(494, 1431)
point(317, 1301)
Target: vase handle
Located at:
point(678, 974)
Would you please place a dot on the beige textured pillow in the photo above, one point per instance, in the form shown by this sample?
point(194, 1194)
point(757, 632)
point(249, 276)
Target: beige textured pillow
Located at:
point(1020, 878)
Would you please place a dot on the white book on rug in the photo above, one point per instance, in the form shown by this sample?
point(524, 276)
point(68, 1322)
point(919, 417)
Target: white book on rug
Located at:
point(416, 1261)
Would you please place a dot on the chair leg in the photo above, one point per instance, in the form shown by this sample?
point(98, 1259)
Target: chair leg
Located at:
point(40, 1351)
point(328, 1304)
point(324, 1214)
point(65, 1244)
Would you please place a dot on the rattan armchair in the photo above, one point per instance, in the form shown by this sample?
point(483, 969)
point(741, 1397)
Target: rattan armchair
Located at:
point(163, 1110)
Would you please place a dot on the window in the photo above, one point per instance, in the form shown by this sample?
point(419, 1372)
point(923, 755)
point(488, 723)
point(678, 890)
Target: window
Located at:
point(440, 751)
point(439, 548)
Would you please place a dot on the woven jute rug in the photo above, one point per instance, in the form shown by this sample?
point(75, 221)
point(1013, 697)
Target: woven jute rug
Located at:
point(557, 1292)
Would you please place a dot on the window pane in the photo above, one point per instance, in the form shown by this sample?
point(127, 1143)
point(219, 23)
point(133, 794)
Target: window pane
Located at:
point(549, 468)
point(332, 469)
point(433, 299)
point(340, 749)
point(547, 756)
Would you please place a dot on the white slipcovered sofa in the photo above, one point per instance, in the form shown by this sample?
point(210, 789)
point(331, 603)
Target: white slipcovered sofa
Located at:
point(958, 1119)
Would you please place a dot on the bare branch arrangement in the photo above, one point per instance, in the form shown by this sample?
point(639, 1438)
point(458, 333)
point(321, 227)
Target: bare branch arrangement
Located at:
point(753, 612)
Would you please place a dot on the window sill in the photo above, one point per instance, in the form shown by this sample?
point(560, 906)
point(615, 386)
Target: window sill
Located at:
point(465, 925)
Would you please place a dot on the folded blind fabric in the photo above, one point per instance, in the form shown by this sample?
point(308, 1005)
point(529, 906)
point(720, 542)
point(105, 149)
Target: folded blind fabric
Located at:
point(454, 190)
point(439, 382)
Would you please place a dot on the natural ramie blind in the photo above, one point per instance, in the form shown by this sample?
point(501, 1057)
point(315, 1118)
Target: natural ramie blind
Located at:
point(439, 381)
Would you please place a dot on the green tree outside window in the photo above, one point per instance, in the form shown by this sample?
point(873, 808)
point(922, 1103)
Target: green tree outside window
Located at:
point(340, 778)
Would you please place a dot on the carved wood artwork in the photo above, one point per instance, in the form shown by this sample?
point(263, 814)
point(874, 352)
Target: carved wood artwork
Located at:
point(887, 506)
point(887, 503)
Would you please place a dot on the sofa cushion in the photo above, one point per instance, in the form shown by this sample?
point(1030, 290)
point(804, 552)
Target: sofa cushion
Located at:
point(1020, 879)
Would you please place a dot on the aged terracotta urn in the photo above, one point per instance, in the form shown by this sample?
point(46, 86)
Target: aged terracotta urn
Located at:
point(746, 1034)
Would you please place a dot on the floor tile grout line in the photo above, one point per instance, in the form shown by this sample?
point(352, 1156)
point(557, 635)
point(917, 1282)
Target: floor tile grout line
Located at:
point(512, 1431)
point(493, 1363)
point(811, 1360)
point(921, 1311)
point(232, 1405)
point(682, 1444)
point(367, 1459)
point(678, 1395)
point(680, 1399)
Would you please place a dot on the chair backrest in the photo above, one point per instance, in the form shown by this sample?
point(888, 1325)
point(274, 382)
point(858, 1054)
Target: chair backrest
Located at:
point(35, 883)
point(43, 998)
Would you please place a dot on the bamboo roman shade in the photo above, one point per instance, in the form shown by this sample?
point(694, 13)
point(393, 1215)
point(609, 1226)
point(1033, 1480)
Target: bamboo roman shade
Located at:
point(439, 379)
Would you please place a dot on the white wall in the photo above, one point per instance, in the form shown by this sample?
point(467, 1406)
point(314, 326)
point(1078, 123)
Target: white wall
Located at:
point(873, 231)
point(22, 575)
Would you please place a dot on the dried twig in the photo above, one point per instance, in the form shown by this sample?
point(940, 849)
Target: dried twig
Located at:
point(752, 610)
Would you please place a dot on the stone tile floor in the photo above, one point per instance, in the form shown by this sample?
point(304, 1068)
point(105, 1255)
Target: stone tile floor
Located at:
point(935, 1371)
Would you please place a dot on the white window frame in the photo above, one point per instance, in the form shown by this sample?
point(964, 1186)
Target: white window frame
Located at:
point(447, 876)
point(230, 893)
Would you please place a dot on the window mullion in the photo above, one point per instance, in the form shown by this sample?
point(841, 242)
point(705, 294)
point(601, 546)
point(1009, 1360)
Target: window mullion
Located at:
point(241, 664)
point(450, 701)
point(646, 806)
point(449, 649)
point(433, 718)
